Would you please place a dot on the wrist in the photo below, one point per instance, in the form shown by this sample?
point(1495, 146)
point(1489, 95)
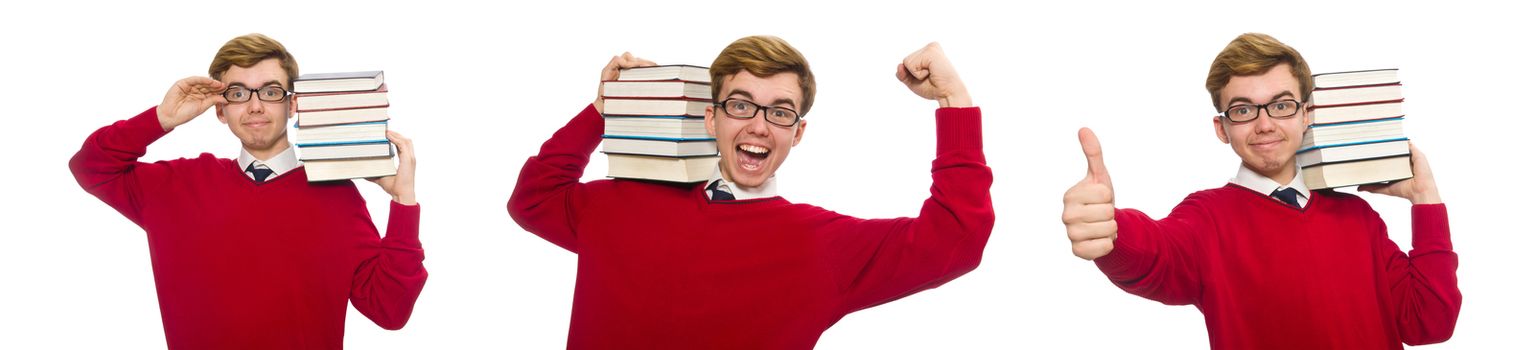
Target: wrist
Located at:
point(956, 99)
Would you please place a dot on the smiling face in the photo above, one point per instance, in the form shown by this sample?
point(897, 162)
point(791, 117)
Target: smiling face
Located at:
point(751, 150)
point(260, 125)
point(1266, 145)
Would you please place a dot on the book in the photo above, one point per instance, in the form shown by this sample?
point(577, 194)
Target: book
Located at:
point(343, 151)
point(342, 116)
point(666, 72)
point(659, 146)
point(342, 169)
point(654, 107)
point(1346, 153)
point(656, 89)
point(1343, 96)
point(1353, 132)
point(1356, 112)
point(343, 100)
point(1357, 78)
point(672, 169)
point(656, 128)
point(1358, 172)
point(326, 135)
point(345, 81)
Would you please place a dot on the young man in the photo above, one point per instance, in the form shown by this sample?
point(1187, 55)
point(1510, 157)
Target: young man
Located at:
point(727, 263)
point(1271, 263)
point(246, 252)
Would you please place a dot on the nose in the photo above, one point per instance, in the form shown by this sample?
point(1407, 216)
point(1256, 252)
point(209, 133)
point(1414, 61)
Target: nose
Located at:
point(1264, 122)
point(256, 106)
point(759, 126)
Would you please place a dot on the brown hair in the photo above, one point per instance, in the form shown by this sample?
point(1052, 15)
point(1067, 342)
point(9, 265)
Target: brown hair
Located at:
point(1253, 54)
point(248, 50)
point(764, 56)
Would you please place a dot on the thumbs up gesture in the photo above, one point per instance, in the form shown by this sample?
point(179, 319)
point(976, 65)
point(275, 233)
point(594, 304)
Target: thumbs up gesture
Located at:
point(1088, 214)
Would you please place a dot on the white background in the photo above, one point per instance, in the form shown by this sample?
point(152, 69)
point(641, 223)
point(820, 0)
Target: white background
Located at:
point(479, 88)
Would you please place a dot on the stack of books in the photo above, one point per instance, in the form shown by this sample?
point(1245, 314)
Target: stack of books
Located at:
point(654, 124)
point(342, 124)
point(1356, 135)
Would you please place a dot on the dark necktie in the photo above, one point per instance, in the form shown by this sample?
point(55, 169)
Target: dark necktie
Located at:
point(717, 194)
point(259, 173)
point(1289, 196)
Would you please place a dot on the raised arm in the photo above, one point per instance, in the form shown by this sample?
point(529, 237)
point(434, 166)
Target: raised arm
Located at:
point(549, 186)
point(386, 286)
point(882, 260)
point(107, 164)
point(1423, 286)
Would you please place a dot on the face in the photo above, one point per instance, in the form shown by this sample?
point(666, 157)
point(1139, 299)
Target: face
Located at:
point(751, 150)
point(260, 125)
point(1266, 145)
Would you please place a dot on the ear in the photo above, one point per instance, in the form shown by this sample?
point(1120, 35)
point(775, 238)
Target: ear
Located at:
point(1308, 116)
point(219, 110)
point(708, 121)
point(799, 131)
point(1219, 130)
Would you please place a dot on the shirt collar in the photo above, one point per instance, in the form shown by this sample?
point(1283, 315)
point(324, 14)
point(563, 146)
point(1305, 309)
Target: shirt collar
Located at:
point(283, 162)
point(1246, 177)
point(768, 189)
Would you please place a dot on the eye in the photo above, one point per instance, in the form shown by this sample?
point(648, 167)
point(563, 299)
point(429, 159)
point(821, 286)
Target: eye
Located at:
point(780, 113)
point(1282, 106)
point(738, 106)
point(1241, 110)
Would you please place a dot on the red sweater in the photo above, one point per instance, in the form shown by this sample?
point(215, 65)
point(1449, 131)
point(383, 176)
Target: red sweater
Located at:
point(663, 267)
point(1270, 276)
point(239, 265)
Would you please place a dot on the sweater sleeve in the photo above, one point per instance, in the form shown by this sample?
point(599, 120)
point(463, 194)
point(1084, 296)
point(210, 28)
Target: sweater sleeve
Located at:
point(545, 198)
point(1422, 286)
point(107, 164)
point(878, 261)
point(1158, 259)
point(385, 287)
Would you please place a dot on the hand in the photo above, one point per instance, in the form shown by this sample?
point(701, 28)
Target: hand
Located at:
point(1088, 215)
point(401, 186)
point(928, 73)
point(188, 99)
point(1420, 189)
point(624, 61)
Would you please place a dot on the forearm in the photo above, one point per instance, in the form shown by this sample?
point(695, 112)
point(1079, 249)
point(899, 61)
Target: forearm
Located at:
point(1424, 284)
point(387, 286)
point(1156, 259)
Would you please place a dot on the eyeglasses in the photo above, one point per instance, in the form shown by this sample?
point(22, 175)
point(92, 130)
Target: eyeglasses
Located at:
point(1281, 109)
point(270, 93)
point(742, 109)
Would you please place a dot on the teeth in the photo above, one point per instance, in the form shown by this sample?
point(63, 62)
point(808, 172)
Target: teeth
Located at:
point(754, 149)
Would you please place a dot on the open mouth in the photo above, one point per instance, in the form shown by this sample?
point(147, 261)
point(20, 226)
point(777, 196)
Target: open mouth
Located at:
point(751, 157)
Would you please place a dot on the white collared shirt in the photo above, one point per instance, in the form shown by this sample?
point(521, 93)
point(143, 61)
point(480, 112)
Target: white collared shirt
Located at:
point(1262, 184)
point(768, 189)
point(283, 162)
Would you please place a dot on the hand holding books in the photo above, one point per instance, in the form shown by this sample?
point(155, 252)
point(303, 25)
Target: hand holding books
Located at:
point(928, 73)
point(187, 99)
point(1420, 189)
point(401, 185)
point(619, 62)
point(1089, 206)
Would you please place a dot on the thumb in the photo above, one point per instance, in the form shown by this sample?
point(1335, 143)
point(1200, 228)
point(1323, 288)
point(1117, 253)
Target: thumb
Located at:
point(1094, 152)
